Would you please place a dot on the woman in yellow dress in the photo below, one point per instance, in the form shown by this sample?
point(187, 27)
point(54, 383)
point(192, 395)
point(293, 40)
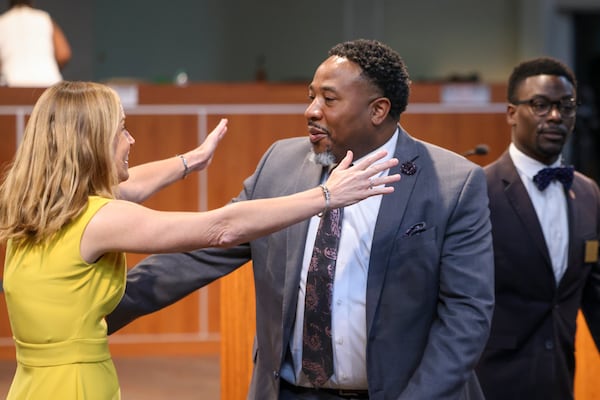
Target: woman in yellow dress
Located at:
point(66, 225)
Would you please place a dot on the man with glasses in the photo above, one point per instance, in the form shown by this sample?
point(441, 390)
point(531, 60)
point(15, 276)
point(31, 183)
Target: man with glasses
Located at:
point(545, 228)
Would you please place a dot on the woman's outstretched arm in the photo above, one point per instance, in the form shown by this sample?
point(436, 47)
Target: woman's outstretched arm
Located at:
point(125, 226)
point(147, 179)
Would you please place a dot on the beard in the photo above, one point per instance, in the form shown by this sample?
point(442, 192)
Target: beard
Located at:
point(325, 158)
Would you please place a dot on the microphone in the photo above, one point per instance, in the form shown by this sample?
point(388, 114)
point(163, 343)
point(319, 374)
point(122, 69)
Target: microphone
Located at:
point(479, 150)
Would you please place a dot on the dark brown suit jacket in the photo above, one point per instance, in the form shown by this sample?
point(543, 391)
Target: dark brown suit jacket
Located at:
point(530, 352)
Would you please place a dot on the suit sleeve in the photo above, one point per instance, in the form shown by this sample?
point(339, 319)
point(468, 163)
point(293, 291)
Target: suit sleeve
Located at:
point(461, 328)
point(160, 280)
point(590, 302)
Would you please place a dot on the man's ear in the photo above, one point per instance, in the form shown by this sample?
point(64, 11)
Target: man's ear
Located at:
point(511, 110)
point(380, 109)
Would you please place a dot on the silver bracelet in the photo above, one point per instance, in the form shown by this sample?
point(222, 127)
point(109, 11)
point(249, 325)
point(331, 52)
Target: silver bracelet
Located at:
point(186, 169)
point(327, 196)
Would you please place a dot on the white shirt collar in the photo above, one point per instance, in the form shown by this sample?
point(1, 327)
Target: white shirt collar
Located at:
point(527, 165)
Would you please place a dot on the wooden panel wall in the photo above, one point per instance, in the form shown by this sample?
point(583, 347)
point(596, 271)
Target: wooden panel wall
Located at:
point(587, 364)
point(221, 316)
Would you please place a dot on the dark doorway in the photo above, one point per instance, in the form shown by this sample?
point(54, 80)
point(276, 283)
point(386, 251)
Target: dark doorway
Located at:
point(586, 140)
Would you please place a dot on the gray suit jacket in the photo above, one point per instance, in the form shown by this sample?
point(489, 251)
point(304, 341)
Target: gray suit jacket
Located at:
point(429, 295)
point(530, 352)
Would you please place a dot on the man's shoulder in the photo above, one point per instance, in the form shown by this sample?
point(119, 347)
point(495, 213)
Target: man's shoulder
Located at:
point(289, 147)
point(301, 141)
point(502, 163)
point(445, 159)
point(580, 176)
point(583, 181)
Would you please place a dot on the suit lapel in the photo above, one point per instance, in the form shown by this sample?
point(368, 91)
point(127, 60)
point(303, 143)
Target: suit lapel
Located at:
point(518, 198)
point(308, 176)
point(391, 212)
point(575, 221)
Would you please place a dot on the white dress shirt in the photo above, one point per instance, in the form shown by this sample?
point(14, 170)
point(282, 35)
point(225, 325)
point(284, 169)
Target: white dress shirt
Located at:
point(550, 206)
point(349, 329)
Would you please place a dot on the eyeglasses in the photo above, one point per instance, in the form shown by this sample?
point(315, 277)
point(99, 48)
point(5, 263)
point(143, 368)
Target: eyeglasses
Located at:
point(542, 106)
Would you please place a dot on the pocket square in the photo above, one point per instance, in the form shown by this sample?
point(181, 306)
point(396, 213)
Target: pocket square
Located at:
point(416, 229)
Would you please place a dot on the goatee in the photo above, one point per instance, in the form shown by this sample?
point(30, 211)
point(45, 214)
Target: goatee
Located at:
point(325, 158)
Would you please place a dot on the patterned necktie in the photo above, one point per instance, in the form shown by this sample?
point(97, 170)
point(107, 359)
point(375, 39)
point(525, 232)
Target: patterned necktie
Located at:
point(562, 174)
point(317, 349)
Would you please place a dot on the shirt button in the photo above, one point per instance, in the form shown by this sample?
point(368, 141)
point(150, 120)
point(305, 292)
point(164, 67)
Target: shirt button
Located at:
point(549, 344)
point(340, 340)
point(276, 374)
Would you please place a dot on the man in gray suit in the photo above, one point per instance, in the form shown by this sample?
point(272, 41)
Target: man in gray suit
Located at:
point(413, 288)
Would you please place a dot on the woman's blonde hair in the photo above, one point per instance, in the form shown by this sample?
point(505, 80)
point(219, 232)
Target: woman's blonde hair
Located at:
point(67, 154)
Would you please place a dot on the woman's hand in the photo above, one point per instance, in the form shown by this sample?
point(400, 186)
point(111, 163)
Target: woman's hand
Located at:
point(200, 158)
point(146, 179)
point(350, 184)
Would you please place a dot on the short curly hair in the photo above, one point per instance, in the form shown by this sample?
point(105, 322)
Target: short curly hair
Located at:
point(13, 3)
point(534, 67)
point(382, 66)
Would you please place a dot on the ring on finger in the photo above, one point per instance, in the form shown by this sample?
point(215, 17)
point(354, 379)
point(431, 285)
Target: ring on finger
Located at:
point(371, 184)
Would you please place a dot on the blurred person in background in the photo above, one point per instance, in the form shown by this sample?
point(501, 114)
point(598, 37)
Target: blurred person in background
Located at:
point(33, 48)
point(545, 229)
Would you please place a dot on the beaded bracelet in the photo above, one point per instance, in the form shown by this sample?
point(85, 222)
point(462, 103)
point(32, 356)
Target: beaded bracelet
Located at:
point(327, 196)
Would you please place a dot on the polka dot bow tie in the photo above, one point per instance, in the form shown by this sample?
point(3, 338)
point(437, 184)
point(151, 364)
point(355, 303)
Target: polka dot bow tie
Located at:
point(562, 174)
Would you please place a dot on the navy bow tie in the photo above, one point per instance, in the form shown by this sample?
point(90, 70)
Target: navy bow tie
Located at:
point(562, 174)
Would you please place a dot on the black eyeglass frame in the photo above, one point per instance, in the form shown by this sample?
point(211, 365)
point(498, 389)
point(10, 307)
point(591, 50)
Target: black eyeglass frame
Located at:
point(567, 102)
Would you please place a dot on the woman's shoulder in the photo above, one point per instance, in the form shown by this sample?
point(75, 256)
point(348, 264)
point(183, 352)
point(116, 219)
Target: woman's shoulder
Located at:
point(94, 204)
point(97, 202)
point(95, 199)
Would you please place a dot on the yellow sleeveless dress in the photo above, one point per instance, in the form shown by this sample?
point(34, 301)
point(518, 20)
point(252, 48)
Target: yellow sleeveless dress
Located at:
point(56, 305)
